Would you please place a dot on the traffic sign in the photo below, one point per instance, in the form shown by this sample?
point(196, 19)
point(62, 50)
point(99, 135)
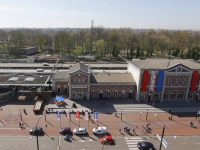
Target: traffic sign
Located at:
point(165, 144)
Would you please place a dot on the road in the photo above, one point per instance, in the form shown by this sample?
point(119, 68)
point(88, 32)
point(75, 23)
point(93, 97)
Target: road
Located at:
point(92, 143)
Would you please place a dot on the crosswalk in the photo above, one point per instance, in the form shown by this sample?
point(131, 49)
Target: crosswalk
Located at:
point(132, 142)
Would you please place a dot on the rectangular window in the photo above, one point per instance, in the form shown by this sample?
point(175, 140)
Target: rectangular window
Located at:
point(142, 95)
point(176, 81)
point(190, 96)
point(181, 95)
point(168, 81)
point(184, 81)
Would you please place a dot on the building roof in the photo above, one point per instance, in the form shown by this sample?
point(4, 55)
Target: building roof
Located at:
point(79, 66)
point(117, 78)
point(164, 63)
point(23, 79)
point(62, 75)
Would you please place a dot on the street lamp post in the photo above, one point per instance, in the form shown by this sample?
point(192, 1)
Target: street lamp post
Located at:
point(147, 114)
point(37, 133)
point(162, 132)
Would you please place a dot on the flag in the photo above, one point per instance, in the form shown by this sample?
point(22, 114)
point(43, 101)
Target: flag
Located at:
point(77, 115)
point(86, 115)
point(95, 115)
point(58, 115)
point(67, 115)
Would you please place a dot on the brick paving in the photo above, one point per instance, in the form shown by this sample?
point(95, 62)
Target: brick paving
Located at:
point(180, 125)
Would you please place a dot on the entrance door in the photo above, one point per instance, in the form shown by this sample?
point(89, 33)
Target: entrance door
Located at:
point(100, 95)
point(130, 95)
point(79, 96)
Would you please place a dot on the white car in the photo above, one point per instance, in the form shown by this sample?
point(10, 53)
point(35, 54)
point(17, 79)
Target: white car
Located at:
point(99, 130)
point(79, 131)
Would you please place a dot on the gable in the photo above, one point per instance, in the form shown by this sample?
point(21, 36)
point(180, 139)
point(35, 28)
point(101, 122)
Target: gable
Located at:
point(178, 68)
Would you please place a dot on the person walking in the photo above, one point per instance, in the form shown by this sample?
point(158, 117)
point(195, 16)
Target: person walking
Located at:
point(119, 130)
point(191, 124)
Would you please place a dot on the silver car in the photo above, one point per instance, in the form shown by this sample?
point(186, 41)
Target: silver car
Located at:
point(80, 131)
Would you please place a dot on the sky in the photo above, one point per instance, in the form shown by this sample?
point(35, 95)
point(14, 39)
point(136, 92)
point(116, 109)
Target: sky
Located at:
point(136, 14)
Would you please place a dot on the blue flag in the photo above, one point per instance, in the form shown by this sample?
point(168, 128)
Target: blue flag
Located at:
point(95, 115)
point(58, 115)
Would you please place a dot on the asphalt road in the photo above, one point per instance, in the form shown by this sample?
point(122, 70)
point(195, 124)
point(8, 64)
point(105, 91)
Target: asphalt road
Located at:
point(181, 143)
point(92, 143)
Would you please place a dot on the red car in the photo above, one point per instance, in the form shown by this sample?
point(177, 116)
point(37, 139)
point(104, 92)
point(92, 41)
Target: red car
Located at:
point(106, 140)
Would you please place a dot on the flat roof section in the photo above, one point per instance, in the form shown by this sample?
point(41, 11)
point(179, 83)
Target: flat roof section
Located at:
point(23, 79)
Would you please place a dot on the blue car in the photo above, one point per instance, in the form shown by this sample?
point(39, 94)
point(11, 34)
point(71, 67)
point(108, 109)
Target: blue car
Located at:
point(145, 146)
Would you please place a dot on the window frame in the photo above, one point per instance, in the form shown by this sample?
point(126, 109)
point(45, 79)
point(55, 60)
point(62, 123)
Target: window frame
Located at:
point(169, 80)
point(176, 81)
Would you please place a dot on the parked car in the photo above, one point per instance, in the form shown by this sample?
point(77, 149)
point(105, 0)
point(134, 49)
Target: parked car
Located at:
point(80, 131)
point(145, 146)
point(99, 130)
point(33, 131)
point(65, 130)
point(106, 140)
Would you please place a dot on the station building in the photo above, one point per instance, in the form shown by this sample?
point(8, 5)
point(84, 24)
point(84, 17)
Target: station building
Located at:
point(145, 80)
point(81, 83)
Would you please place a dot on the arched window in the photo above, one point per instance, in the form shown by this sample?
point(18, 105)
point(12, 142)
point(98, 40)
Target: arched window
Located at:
point(83, 80)
point(174, 95)
point(166, 95)
point(108, 93)
point(93, 93)
point(123, 92)
point(181, 95)
point(75, 80)
point(79, 80)
point(115, 93)
point(157, 95)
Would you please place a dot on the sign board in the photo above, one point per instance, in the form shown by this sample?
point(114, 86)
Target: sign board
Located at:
point(165, 144)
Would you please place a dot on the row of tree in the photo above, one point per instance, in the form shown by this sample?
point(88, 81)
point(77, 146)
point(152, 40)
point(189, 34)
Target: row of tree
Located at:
point(106, 43)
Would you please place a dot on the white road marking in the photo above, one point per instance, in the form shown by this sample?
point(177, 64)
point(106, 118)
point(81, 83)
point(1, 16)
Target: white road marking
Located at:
point(133, 140)
point(29, 145)
point(15, 145)
point(86, 145)
point(1, 145)
point(132, 145)
point(183, 143)
point(72, 145)
point(197, 143)
point(133, 148)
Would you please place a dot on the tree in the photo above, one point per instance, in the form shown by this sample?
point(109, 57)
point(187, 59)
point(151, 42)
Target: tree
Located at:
point(40, 40)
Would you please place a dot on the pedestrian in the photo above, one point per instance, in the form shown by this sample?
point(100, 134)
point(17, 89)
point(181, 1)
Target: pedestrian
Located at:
point(120, 130)
point(20, 124)
point(133, 131)
point(191, 124)
point(89, 117)
point(125, 129)
point(46, 125)
point(116, 115)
